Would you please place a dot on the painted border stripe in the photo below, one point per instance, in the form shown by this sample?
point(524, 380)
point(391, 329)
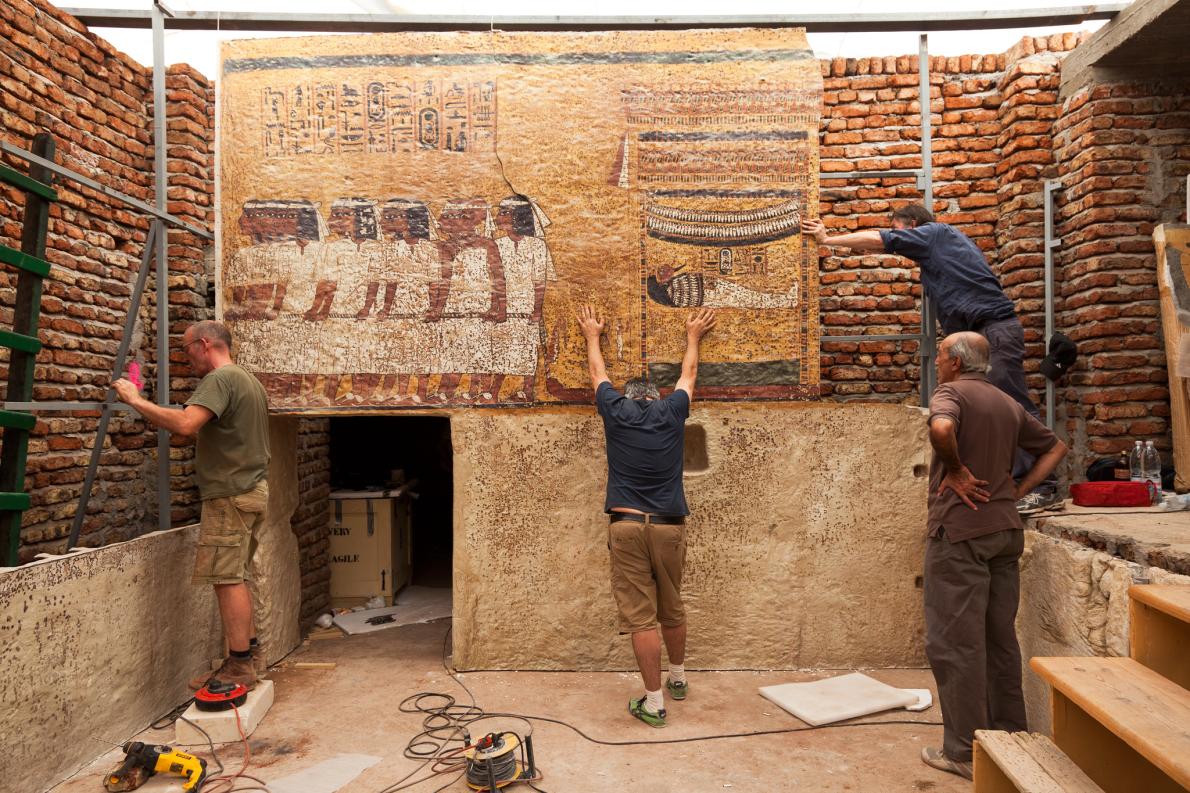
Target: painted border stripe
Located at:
point(516, 59)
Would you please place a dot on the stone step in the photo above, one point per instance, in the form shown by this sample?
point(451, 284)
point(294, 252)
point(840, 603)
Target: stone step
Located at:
point(1125, 725)
point(1021, 762)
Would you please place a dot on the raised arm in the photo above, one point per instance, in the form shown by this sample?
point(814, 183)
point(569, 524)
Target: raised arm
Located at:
point(592, 327)
point(697, 326)
point(186, 422)
point(958, 478)
point(868, 241)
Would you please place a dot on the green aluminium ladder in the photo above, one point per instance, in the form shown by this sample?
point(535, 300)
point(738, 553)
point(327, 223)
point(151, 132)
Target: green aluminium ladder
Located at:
point(22, 341)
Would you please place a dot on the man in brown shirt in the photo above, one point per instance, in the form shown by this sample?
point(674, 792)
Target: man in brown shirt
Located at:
point(972, 581)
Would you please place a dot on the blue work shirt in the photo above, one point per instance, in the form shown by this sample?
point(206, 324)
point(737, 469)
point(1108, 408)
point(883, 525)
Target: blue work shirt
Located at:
point(645, 441)
point(965, 292)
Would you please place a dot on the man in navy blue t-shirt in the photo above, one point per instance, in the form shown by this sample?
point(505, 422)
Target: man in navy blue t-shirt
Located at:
point(647, 510)
point(967, 297)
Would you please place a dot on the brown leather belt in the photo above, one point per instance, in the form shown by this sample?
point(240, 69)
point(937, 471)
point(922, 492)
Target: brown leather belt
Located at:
point(666, 520)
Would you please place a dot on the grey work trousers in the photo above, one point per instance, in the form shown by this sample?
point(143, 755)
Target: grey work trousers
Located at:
point(971, 593)
point(1006, 338)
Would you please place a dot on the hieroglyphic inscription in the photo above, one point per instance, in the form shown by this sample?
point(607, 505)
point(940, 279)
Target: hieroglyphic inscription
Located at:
point(378, 117)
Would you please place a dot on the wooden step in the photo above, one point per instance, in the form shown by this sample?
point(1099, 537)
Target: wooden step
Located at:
point(18, 179)
point(19, 341)
point(20, 421)
point(1021, 762)
point(1125, 725)
point(23, 261)
point(14, 502)
point(1159, 636)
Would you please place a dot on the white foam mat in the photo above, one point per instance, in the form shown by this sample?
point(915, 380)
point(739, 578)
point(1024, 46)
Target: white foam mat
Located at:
point(414, 604)
point(838, 698)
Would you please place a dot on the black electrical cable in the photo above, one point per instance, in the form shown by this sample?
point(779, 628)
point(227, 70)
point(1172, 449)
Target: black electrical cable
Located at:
point(445, 716)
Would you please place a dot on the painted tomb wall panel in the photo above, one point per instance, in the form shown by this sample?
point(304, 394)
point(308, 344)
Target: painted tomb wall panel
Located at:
point(411, 220)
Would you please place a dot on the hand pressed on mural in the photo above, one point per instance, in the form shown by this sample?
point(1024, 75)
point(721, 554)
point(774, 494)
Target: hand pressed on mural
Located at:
point(815, 229)
point(699, 323)
point(590, 323)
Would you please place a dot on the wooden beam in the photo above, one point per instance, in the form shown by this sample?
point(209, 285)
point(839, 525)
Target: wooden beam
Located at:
point(1079, 67)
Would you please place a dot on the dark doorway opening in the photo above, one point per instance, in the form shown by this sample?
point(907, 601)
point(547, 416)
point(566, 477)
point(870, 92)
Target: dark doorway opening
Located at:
point(367, 451)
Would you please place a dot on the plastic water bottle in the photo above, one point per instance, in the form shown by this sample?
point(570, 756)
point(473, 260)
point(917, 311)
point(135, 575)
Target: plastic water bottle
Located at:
point(1151, 464)
point(1136, 462)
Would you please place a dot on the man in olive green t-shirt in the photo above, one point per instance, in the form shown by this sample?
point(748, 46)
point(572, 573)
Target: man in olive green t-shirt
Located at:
point(228, 413)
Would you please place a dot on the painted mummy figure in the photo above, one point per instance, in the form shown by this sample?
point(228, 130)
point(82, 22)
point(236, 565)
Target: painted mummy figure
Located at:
point(409, 261)
point(352, 222)
point(281, 233)
point(528, 266)
point(408, 267)
point(689, 290)
point(467, 297)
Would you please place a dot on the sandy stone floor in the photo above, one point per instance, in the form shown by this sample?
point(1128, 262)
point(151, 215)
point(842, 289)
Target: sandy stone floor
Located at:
point(354, 709)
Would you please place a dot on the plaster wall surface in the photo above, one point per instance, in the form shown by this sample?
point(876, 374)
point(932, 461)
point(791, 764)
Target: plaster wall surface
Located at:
point(1074, 602)
point(276, 585)
point(97, 645)
point(100, 643)
point(804, 544)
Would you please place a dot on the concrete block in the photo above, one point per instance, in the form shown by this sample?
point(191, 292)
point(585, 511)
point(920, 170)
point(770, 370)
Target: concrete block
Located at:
point(221, 725)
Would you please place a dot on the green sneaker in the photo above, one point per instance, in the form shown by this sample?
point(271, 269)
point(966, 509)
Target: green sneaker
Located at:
point(637, 708)
point(677, 691)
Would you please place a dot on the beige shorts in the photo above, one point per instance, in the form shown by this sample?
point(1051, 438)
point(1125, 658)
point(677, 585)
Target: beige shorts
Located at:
point(227, 536)
point(647, 561)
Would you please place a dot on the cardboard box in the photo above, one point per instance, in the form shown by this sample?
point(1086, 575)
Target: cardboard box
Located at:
point(370, 546)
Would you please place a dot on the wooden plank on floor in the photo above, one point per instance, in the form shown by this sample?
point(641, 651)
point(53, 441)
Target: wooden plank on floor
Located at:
point(1033, 764)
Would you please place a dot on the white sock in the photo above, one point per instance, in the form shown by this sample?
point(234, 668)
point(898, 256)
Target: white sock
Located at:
point(654, 701)
point(677, 673)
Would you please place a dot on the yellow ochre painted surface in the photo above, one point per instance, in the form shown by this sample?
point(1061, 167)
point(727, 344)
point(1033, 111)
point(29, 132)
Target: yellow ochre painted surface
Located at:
point(411, 220)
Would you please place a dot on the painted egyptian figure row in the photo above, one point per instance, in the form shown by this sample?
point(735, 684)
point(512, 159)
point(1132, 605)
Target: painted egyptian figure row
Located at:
point(391, 260)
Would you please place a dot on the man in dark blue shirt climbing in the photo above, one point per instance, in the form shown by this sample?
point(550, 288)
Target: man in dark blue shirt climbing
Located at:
point(646, 507)
point(966, 296)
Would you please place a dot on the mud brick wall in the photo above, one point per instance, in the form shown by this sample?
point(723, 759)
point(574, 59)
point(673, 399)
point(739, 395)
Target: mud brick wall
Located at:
point(311, 520)
point(999, 131)
point(990, 117)
point(1123, 153)
point(56, 76)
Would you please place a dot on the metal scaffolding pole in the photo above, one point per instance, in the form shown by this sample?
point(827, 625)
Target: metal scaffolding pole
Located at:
point(164, 506)
point(909, 21)
point(928, 330)
point(1051, 185)
point(109, 404)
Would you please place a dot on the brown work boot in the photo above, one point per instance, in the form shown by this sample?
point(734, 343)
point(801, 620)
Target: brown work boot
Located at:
point(258, 662)
point(232, 670)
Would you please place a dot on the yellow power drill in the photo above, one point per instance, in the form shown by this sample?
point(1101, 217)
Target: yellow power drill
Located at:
point(142, 761)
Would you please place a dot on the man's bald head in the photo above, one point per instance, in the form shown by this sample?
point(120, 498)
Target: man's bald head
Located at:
point(971, 349)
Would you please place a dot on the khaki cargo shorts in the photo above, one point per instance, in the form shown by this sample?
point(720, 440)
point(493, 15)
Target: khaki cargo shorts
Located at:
point(227, 536)
point(647, 561)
